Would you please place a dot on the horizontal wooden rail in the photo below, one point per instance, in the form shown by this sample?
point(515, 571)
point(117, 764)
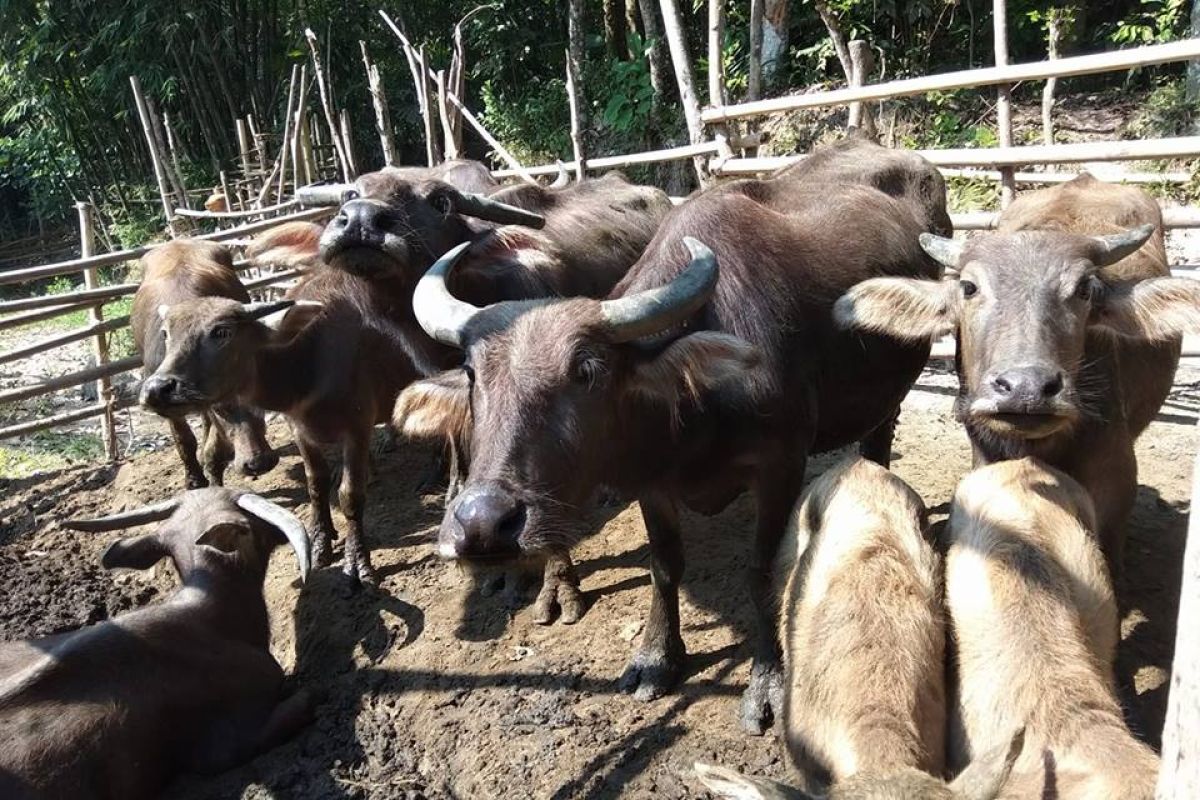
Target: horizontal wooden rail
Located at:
point(1185, 217)
point(608, 162)
point(274, 277)
point(70, 379)
point(85, 297)
point(121, 256)
point(58, 340)
point(17, 320)
point(1063, 177)
point(1174, 147)
point(1095, 63)
point(256, 212)
point(75, 415)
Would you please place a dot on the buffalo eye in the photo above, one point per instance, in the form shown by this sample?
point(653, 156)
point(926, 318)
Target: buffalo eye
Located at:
point(470, 372)
point(222, 333)
point(969, 289)
point(1085, 288)
point(587, 370)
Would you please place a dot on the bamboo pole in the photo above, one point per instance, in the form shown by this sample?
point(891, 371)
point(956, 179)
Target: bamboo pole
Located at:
point(1063, 177)
point(77, 378)
point(148, 130)
point(327, 107)
point(1074, 66)
point(170, 131)
point(230, 199)
point(348, 141)
point(254, 212)
point(1179, 775)
point(716, 71)
point(432, 151)
point(91, 279)
point(576, 133)
point(754, 79)
point(673, 25)
point(243, 145)
point(299, 169)
point(451, 148)
point(383, 120)
point(1187, 217)
point(285, 144)
point(1004, 125)
point(1054, 26)
point(174, 177)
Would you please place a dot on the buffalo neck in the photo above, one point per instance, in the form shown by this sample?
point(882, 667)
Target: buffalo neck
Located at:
point(230, 603)
point(285, 371)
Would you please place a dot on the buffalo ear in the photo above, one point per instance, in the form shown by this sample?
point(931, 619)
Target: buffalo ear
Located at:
point(903, 308)
point(224, 536)
point(435, 407)
point(727, 783)
point(986, 775)
point(693, 363)
point(136, 552)
point(1155, 308)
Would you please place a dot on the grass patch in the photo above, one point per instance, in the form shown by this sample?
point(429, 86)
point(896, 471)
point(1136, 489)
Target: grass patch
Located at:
point(46, 451)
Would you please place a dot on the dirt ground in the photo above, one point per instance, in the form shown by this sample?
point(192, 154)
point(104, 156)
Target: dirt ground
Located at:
point(436, 691)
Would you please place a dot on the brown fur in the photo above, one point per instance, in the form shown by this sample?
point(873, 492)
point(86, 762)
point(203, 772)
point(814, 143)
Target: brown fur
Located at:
point(116, 709)
point(178, 272)
point(1041, 300)
point(1034, 622)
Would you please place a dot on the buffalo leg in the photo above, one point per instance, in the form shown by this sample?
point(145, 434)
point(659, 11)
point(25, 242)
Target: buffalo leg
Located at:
point(659, 660)
point(218, 450)
point(316, 476)
point(560, 591)
point(778, 487)
point(185, 445)
point(877, 445)
point(352, 498)
point(247, 431)
point(287, 719)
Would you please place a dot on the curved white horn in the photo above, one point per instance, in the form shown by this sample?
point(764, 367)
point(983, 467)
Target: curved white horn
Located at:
point(564, 178)
point(943, 250)
point(156, 512)
point(284, 521)
point(1113, 247)
point(655, 310)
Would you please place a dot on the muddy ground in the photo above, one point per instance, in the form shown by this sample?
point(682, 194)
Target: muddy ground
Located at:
point(436, 691)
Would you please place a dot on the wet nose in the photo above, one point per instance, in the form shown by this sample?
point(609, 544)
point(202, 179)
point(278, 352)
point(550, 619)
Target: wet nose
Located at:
point(359, 220)
point(490, 521)
point(157, 390)
point(1028, 384)
point(260, 463)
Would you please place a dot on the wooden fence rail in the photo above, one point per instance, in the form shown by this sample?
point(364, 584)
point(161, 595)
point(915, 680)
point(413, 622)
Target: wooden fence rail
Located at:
point(60, 339)
point(77, 378)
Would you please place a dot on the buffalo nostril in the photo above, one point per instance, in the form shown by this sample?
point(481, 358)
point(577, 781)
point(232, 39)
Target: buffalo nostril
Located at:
point(1053, 386)
point(511, 525)
point(1001, 385)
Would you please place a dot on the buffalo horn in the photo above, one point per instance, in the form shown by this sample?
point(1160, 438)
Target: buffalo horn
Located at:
point(443, 316)
point(327, 194)
point(126, 519)
point(476, 205)
point(1112, 248)
point(656, 310)
point(265, 309)
point(944, 251)
point(284, 521)
point(564, 178)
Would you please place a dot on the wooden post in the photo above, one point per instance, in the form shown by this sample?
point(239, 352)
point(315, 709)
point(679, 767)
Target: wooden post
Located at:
point(754, 79)
point(243, 145)
point(444, 115)
point(148, 130)
point(306, 149)
point(327, 107)
point(862, 62)
point(431, 145)
point(174, 177)
point(716, 72)
point(576, 134)
point(348, 141)
point(1008, 186)
point(91, 280)
point(298, 167)
point(1179, 775)
point(231, 200)
point(673, 24)
point(1054, 26)
point(166, 120)
point(285, 143)
point(383, 120)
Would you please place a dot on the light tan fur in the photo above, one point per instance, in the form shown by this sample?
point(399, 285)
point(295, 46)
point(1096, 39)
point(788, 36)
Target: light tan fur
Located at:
point(292, 245)
point(434, 408)
point(1034, 620)
point(861, 621)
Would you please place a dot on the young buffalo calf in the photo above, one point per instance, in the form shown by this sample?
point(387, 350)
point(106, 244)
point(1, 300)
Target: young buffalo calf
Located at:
point(1035, 625)
point(861, 617)
point(116, 709)
point(174, 273)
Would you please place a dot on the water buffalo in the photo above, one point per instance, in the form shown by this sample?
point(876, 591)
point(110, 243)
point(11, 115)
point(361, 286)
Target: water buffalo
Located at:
point(688, 385)
point(1068, 329)
point(187, 269)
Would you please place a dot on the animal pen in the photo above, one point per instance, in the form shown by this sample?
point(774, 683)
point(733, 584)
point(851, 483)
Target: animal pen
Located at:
point(315, 147)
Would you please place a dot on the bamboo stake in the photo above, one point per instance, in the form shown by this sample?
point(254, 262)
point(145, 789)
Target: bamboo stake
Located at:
point(1179, 776)
point(306, 149)
point(432, 154)
point(1054, 26)
point(348, 141)
point(673, 25)
point(754, 80)
point(327, 107)
point(383, 120)
point(576, 134)
point(451, 150)
point(243, 145)
point(716, 71)
point(1008, 187)
point(91, 280)
point(862, 62)
point(166, 120)
point(298, 168)
point(148, 130)
point(174, 178)
point(285, 144)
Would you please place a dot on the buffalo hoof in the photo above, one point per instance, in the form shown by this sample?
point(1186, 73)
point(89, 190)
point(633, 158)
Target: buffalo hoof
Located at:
point(762, 700)
point(322, 548)
point(561, 599)
point(653, 672)
point(357, 565)
point(196, 482)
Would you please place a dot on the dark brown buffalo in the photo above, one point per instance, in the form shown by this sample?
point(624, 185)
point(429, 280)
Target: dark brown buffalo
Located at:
point(115, 710)
point(1068, 330)
point(686, 387)
point(181, 270)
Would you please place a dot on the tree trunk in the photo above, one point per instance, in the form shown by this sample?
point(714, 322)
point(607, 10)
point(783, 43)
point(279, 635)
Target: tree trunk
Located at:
point(614, 29)
point(1193, 68)
point(754, 79)
point(673, 24)
point(1053, 35)
point(658, 57)
point(837, 37)
point(774, 41)
point(1008, 185)
point(576, 53)
point(862, 62)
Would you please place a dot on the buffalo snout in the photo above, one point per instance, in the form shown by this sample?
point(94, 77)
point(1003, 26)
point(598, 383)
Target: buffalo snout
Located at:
point(159, 391)
point(486, 522)
point(1030, 388)
point(259, 463)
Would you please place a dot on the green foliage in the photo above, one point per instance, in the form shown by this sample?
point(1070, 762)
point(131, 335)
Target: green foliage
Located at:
point(47, 451)
point(971, 194)
point(949, 119)
point(1152, 21)
point(1166, 112)
point(630, 95)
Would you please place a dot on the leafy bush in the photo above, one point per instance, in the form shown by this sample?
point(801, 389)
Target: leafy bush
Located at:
point(1165, 112)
